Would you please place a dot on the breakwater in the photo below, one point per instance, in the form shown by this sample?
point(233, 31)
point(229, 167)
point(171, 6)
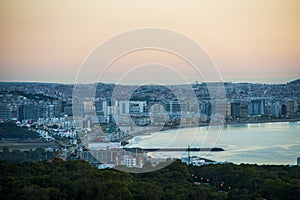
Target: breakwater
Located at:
point(136, 149)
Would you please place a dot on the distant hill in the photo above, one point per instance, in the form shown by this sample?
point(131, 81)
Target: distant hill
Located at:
point(295, 82)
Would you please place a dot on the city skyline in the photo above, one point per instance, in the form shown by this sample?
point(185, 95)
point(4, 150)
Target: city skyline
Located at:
point(140, 99)
point(249, 41)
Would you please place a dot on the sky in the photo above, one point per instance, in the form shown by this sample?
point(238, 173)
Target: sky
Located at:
point(248, 40)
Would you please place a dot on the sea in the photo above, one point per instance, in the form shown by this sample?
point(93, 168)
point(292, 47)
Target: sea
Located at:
point(255, 143)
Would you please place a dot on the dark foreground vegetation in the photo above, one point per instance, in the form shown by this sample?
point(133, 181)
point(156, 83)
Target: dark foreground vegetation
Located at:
point(22, 156)
point(11, 131)
point(59, 179)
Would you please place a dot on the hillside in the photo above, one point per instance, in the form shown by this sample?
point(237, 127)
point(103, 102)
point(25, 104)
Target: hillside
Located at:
point(78, 180)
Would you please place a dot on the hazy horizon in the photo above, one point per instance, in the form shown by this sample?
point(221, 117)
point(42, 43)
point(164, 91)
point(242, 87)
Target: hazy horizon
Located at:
point(234, 82)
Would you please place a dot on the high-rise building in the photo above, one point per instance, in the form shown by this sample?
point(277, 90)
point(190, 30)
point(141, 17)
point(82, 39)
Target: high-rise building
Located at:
point(275, 109)
point(27, 112)
point(100, 111)
point(88, 107)
point(239, 110)
point(105, 108)
point(283, 109)
point(222, 108)
point(205, 108)
point(176, 107)
point(57, 109)
point(68, 110)
point(228, 109)
point(78, 108)
point(132, 107)
point(158, 114)
point(5, 112)
point(292, 106)
point(53, 110)
point(50, 111)
point(257, 107)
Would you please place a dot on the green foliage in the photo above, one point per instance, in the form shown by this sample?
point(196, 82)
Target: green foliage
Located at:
point(78, 180)
point(58, 179)
point(10, 130)
point(251, 181)
point(22, 156)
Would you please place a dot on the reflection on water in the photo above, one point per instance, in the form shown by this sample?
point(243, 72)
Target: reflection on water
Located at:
point(261, 143)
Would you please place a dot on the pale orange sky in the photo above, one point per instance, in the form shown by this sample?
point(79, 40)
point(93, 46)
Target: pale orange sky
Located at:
point(253, 40)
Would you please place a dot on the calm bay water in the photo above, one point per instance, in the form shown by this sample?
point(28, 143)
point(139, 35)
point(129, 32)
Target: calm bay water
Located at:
point(261, 143)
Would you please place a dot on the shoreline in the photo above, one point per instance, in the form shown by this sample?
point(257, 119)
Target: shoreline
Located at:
point(262, 121)
point(240, 122)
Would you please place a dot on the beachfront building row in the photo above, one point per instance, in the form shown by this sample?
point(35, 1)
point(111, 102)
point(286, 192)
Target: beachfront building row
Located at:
point(141, 113)
point(107, 110)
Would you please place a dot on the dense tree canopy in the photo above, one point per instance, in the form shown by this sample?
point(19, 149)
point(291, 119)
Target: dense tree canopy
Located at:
point(22, 156)
point(10, 130)
point(59, 179)
point(251, 181)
